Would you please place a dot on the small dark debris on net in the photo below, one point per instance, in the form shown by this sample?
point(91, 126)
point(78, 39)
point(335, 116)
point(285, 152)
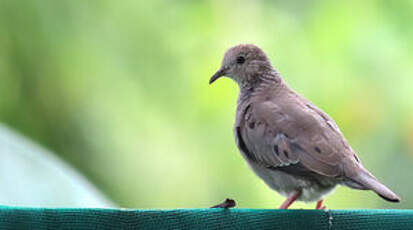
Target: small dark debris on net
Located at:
point(228, 203)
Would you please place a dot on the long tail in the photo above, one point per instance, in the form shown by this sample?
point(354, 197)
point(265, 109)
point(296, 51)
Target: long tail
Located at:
point(365, 180)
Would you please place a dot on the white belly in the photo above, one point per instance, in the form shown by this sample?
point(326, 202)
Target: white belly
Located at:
point(286, 184)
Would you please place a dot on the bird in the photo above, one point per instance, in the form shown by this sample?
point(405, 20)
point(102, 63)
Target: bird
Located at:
point(292, 145)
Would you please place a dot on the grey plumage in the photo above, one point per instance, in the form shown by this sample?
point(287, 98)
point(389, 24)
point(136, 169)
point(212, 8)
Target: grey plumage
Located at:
point(288, 142)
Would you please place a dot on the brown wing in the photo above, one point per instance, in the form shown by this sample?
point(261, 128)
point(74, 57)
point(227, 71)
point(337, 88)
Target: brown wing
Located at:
point(293, 132)
point(290, 134)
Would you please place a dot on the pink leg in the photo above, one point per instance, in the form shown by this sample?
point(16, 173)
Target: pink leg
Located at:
point(293, 197)
point(320, 205)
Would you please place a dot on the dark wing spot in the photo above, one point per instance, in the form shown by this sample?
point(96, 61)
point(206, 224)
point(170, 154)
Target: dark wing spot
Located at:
point(285, 153)
point(317, 149)
point(251, 125)
point(276, 149)
point(357, 159)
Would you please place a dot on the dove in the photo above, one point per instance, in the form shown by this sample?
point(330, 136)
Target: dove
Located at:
point(293, 146)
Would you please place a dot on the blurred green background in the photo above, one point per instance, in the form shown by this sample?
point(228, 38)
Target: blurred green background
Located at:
point(119, 89)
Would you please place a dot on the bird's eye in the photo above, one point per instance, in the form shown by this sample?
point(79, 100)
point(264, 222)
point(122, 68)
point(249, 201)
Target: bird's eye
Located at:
point(240, 59)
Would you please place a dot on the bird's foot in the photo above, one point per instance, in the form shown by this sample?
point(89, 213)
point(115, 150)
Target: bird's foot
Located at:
point(320, 205)
point(228, 203)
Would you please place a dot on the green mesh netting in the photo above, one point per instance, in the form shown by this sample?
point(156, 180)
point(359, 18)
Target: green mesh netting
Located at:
point(38, 218)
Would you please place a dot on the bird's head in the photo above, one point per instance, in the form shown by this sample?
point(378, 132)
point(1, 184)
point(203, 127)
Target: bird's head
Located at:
point(244, 64)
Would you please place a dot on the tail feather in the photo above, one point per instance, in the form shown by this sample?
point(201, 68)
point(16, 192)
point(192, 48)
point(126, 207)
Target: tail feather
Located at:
point(364, 180)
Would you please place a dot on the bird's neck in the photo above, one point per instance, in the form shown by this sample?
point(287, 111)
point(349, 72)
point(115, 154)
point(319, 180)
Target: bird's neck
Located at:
point(255, 85)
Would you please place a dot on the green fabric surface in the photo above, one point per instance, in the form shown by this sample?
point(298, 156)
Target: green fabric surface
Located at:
point(47, 218)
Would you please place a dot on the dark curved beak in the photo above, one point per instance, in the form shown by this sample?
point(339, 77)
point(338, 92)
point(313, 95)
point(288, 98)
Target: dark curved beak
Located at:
point(221, 72)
